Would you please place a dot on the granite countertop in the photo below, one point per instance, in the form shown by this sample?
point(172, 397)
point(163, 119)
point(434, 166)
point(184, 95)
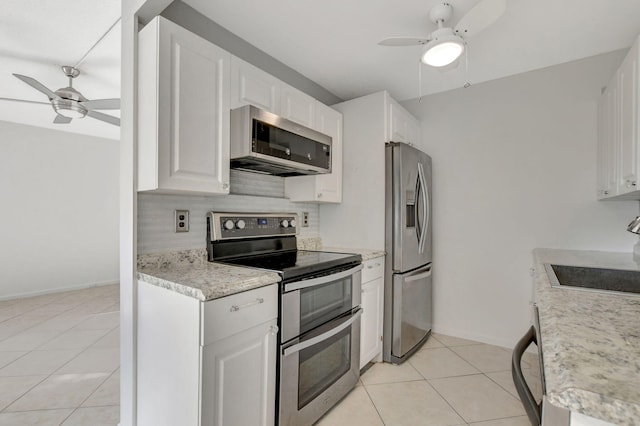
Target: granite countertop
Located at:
point(590, 341)
point(188, 272)
point(367, 254)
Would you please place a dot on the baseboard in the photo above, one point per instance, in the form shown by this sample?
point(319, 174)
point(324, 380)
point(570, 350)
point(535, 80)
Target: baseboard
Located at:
point(482, 338)
point(56, 290)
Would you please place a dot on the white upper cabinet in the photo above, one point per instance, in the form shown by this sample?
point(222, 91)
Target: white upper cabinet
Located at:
point(252, 86)
point(403, 127)
point(325, 188)
point(618, 141)
point(607, 143)
point(297, 106)
point(183, 111)
point(628, 122)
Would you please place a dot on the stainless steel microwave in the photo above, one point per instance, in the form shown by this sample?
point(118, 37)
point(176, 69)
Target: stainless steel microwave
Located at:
point(266, 143)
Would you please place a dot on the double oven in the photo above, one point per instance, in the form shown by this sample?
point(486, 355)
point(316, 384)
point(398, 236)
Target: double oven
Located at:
point(319, 309)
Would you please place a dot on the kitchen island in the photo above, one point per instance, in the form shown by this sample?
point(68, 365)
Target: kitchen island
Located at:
point(590, 341)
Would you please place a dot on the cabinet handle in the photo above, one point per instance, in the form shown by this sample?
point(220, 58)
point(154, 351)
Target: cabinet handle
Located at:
point(274, 330)
point(225, 186)
point(606, 192)
point(236, 308)
point(319, 194)
point(532, 272)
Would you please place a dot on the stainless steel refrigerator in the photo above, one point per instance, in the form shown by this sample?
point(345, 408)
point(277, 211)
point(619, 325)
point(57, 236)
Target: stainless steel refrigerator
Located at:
point(408, 289)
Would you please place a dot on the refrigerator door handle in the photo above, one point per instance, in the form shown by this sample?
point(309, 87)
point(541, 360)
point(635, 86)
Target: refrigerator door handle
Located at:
point(425, 208)
point(419, 276)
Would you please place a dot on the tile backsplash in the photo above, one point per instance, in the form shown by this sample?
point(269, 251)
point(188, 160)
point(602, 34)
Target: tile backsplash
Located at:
point(156, 232)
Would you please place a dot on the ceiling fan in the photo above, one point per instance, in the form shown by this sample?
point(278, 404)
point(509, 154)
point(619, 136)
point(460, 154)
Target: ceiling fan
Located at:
point(444, 45)
point(68, 103)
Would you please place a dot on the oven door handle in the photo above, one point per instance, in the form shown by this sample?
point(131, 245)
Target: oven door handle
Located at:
point(324, 336)
point(297, 285)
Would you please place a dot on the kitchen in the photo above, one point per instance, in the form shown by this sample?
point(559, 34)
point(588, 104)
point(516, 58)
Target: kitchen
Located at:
point(534, 193)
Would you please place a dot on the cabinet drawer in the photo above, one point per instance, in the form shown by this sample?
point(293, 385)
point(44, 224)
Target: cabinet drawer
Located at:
point(229, 315)
point(373, 268)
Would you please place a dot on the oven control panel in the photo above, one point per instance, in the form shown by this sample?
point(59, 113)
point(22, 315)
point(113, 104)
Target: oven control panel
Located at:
point(225, 226)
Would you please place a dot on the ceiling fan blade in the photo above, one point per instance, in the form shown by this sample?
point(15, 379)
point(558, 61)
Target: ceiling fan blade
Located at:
point(61, 119)
point(480, 17)
point(104, 117)
point(403, 41)
point(102, 104)
point(25, 101)
point(37, 85)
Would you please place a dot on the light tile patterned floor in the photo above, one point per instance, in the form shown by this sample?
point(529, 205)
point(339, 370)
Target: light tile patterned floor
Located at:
point(59, 359)
point(449, 381)
point(59, 365)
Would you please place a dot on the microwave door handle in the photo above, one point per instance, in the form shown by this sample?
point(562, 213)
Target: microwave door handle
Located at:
point(322, 337)
point(283, 148)
point(425, 208)
point(297, 285)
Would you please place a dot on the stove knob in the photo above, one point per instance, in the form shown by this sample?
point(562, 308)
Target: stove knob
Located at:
point(241, 224)
point(284, 223)
point(229, 225)
point(292, 223)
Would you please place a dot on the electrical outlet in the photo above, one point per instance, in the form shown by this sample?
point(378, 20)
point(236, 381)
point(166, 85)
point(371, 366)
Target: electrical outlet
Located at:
point(182, 220)
point(305, 219)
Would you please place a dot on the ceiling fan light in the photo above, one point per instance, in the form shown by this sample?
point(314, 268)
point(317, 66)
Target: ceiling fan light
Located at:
point(68, 108)
point(441, 52)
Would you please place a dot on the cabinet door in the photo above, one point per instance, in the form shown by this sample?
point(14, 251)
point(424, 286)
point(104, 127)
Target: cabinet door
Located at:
point(184, 111)
point(325, 188)
point(628, 122)
point(297, 106)
point(607, 166)
point(238, 378)
point(371, 325)
point(403, 127)
point(329, 186)
point(252, 86)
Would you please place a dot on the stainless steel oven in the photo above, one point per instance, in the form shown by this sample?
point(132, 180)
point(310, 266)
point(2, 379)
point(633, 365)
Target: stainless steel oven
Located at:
point(319, 321)
point(320, 344)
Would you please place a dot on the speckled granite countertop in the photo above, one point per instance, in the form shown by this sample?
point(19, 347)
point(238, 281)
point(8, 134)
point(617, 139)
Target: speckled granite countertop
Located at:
point(188, 272)
point(590, 341)
point(367, 254)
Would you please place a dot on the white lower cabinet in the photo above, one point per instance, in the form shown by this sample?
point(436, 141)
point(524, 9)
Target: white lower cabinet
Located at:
point(239, 372)
point(372, 311)
point(206, 363)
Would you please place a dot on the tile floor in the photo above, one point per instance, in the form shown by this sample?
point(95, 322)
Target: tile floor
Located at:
point(59, 365)
point(59, 359)
point(449, 381)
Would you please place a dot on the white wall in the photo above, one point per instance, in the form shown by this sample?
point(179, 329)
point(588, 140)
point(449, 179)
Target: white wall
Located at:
point(514, 168)
point(59, 211)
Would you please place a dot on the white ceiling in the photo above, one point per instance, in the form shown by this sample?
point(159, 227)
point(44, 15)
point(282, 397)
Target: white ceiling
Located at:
point(334, 42)
point(37, 37)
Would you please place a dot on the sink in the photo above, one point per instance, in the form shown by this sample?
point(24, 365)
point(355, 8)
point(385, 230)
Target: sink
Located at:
point(594, 279)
